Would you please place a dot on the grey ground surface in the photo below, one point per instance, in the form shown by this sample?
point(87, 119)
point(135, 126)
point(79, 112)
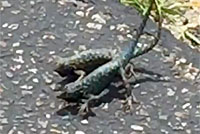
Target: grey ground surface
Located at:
point(33, 31)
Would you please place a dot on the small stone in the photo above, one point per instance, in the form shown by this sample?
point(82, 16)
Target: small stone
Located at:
point(94, 26)
point(32, 3)
point(80, 13)
point(26, 92)
point(33, 70)
point(48, 116)
point(143, 112)
point(33, 130)
point(39, 103)
point(53, 86)
point(25, 35)
point(182, 60)
point(3, 44)
point(184, 90)
point(55, 131)
point(19, 59)
point(184, 124)
point(19, 51)
point(16, 44)
point(52, 105)
point(20, 132)
point(26, 87)
point(181, 114)
point(15, 12)
point(170, 92)
point(5, 25)
point(47, 80)
point(5, 4)
point(43, 123)
point(79, 132)
point(98, 18)
point(35, 80)
point(137, 128)
point(9, 74)
point(186, 105)
point(112, 27)
point(84, 121)
point(13, 26)
point(11, 131)
point(82, 47)
point(4, 121)
point(163, 117)
point(105, 107)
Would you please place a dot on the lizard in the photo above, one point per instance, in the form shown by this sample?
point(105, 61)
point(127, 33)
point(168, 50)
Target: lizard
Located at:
point(92, 86)
point(75, 67)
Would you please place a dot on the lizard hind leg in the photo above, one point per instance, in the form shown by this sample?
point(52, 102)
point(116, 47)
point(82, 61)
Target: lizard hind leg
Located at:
point(130, 97)
point(85, 107)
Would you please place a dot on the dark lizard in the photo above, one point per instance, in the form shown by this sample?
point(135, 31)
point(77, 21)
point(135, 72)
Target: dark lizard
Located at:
point(93, 85)
point(75, 67)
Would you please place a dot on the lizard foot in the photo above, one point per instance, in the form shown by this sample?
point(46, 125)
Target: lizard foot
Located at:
point(85, 107)
point(128, 103)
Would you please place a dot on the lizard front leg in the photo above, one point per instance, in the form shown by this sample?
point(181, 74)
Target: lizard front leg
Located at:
point(81, 74)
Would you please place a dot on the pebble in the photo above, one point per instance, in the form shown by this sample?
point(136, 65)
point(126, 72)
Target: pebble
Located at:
point(52, 105)
point(9, 74)
point(94, 26)
point(13, 26)
point(19, 59)
point(186, 105)
point(20, 132)
point(26, 87)
point(82, 47)
point(98, 18)
point(84, 121)
point(47, 80)
point(5, 25)
point(55, 131)
point(184, 90)
point(33, 70)
point(105, 107)
point(35, 80)
point(79, 132)
point(80, 13)
point(163, 117)
point(112, 27)
point(137, 128)
point(39, 102)
point(43, 123)
point(5, 4)
point(181, 114)
point(15, 12)
point(16, 44)
point(170, 92)
point(12, 130)
point(19, 51)
point(4, 121)
point(26, 92)
point(48, 116)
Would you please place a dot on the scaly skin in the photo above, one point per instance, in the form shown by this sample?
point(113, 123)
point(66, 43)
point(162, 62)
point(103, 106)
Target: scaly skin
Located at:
point(77, 66)
point(86, 61)
point(95, 82)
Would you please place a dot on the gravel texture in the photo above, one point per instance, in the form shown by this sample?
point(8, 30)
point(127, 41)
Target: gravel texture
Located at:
point(168, 81)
